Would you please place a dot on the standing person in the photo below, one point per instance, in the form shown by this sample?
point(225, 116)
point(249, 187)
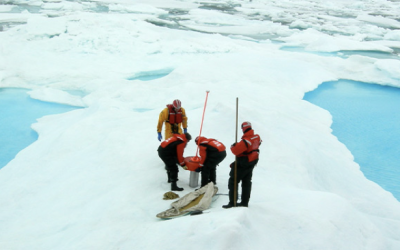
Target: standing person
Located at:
point(246, 152)
point(171, 153)
point(172, 114)
point(212, 152)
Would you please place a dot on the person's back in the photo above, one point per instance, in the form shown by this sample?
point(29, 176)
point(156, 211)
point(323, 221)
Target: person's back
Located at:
point(248, 146)
point(212, 153)
point(171, 153)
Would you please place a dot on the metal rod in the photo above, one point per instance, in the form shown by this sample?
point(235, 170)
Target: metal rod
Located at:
point(235, 169)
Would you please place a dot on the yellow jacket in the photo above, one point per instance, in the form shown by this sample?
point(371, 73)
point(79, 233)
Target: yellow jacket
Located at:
point(163, 118)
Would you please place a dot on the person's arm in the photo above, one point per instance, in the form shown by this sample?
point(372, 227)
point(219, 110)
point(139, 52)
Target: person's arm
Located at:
point(239, 148)
point(203, 154)
point(179, 152)
point(184, 120)
point(161, 118)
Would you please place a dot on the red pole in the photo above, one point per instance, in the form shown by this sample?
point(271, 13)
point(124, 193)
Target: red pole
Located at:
point(196, 158)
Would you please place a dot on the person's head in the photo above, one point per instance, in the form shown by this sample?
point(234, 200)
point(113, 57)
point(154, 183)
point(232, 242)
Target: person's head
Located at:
point(176, 104)
point(188, 137)
point(246, 126)
point(197, 139)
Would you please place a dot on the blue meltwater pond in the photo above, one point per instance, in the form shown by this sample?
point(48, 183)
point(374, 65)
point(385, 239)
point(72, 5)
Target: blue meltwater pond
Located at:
point(366, 118)
point(17, 113)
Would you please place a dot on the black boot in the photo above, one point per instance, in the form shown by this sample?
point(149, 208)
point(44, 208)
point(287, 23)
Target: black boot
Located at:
point(231, 199)
point(174, 187)
point(229, 205)
point(213, 176)
point(246, 191)
point(169, 177)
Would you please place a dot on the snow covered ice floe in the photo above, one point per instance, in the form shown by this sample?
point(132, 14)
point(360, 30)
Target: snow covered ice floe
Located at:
point(93, 179)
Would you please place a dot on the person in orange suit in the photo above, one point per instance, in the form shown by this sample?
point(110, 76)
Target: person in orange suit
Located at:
point(171, 153)
point(246, 152)
point(212, 153)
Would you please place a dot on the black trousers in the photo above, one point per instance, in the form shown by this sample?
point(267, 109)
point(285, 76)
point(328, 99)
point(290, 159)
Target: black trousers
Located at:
point(171, 162)
point(209, 170)
point(244, 174)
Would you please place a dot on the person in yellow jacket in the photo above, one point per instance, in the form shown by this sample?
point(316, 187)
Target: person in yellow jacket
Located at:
point(172, 114)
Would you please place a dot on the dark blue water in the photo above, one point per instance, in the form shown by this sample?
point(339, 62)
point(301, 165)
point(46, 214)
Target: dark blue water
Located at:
point(17, 112)
point(366, 118)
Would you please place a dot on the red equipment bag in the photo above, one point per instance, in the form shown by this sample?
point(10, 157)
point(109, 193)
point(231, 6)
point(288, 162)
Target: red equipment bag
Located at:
point(192, 163)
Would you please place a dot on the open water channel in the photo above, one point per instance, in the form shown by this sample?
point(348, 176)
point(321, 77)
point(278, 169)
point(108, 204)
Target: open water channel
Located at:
point(366, 118)
point(17, 113)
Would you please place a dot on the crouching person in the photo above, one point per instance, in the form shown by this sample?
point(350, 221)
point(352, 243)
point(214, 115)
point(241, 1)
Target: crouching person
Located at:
point(212, 153)
point(171, 153)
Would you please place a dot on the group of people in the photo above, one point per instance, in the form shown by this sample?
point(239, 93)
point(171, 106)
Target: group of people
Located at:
point(211, 151)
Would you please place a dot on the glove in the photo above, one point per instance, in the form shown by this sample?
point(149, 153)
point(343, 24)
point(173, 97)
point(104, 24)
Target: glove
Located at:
point(232, 165)
point(185, 130)
point(198, 170)
point(183, 165)
point(234, 144)
point(159, 136)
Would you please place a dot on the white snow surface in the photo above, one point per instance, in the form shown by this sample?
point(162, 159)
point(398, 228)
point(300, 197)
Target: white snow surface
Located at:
point(93, 179)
